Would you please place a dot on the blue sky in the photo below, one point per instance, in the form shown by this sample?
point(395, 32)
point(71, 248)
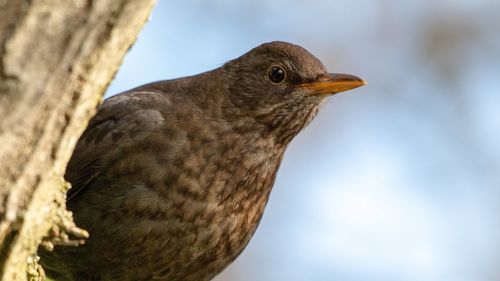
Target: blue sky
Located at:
point(395, 181)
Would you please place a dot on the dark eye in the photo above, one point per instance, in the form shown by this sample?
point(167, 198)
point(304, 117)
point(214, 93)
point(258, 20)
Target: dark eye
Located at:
point(276, 74)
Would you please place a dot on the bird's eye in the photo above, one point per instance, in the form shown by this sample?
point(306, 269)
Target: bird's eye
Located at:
point(276, 74)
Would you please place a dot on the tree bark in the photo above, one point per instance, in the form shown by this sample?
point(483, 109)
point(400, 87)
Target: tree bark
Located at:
point(56, 60)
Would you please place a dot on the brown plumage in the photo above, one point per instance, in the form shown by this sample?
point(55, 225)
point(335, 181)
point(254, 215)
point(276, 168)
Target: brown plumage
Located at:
point(171, 178)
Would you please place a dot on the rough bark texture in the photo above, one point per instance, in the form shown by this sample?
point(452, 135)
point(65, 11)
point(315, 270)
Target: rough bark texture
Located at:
point(56, 59)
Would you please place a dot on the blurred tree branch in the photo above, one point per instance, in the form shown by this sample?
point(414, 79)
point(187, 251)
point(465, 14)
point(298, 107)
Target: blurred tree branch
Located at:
point(56, 60)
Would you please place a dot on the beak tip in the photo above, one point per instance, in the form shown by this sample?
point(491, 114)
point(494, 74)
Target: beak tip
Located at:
point(357, 79)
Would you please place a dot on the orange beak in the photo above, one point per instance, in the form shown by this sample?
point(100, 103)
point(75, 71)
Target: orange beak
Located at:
point(332, 83)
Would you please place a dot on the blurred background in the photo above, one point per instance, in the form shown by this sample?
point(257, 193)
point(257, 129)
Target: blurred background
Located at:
point(396, 181)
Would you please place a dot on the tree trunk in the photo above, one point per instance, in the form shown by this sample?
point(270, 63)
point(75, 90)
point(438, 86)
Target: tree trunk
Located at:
point(56, 60)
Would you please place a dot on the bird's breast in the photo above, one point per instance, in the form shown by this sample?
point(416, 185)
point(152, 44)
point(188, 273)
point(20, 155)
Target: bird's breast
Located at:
point(191, 211)
point(223, 201)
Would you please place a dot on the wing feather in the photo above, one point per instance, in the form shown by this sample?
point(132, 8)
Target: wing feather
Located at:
point(120, 120)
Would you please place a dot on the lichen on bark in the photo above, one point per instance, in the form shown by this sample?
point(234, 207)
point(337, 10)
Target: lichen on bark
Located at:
point(56, 60)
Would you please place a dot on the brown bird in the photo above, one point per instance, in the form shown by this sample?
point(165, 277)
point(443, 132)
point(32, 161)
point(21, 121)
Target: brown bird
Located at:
point(171, 178)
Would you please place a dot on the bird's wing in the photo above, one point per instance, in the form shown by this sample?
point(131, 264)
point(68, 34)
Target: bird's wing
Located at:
point(120, 120)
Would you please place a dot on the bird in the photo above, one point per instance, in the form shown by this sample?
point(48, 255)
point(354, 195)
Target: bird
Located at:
point(171, 178)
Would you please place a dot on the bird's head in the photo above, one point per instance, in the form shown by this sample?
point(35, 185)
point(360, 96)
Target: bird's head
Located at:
point(282, 85)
